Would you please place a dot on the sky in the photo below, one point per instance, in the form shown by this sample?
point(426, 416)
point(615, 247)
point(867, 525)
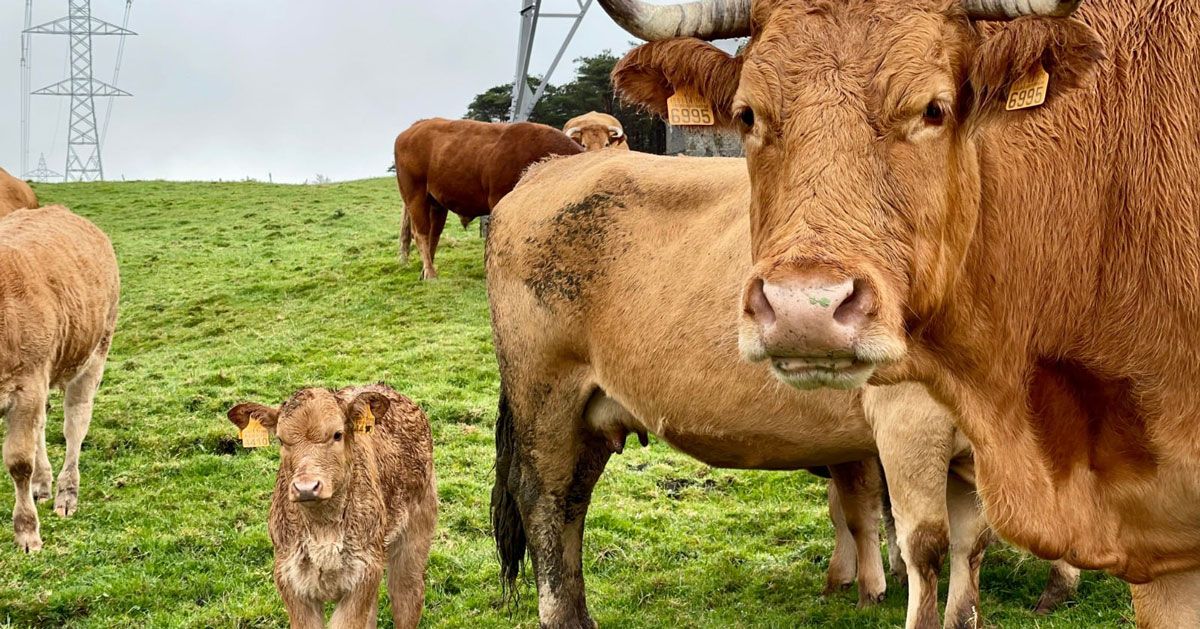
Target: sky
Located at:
point(279, 89)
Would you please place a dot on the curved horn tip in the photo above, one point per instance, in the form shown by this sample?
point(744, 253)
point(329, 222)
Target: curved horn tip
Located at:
point(1010, 9)
point(702, 19)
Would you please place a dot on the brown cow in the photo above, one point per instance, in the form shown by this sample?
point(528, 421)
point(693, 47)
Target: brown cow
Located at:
point(613, 279)
point(1039, 269)
point(465, 167)
point(59, 288)
point(15, 194)
point(355, 493)
point(596, 131)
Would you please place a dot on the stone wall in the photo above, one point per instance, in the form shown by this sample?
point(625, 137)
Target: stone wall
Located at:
point(703, 142)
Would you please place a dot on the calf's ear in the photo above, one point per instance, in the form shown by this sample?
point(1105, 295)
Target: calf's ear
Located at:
point(377, 403)
point(241, 414)
point(651, 73)
point(1069, 50)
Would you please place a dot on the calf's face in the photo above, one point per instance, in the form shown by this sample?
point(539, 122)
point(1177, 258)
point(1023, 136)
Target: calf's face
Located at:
point(316, 433)
point(861, 124)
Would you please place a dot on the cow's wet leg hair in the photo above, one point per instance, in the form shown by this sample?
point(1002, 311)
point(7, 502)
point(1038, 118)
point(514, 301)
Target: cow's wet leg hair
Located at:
point(1168, 601)
point(359, 608)
point(859, 490)
point(26, 417)
point(969, 539)
point(78, 401)
point(843, 563)
point(1060, 587)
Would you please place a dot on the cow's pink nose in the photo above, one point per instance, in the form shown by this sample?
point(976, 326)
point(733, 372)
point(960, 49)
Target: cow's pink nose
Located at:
point(809, 315)
point(306, 490)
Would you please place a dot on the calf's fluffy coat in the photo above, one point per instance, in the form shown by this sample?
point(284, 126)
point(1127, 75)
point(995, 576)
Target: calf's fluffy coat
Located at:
point(348, 503)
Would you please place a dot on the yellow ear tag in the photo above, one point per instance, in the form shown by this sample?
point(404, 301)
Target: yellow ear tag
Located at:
point(686, 109)
point(254, 435)
point(365, 422)
point(1029, 91)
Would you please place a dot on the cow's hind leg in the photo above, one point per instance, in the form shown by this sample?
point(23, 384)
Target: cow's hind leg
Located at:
point(547, 464)
point(1060, 587)
point(26, 417)
point(843, 563)
point(969, 538)
point(859, 492)
point(1169, 601)
point(80, 395)
point(437, 224)
point(43, 474)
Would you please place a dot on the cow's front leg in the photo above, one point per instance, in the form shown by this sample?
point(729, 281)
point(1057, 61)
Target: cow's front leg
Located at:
point(1169, 601)
point(359, 608)
point(859, 489)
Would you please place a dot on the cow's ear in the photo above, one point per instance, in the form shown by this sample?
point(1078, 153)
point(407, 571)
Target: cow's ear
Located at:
point(651, 73)
point(241, 414)
point(1069, 50)
point(376, 403)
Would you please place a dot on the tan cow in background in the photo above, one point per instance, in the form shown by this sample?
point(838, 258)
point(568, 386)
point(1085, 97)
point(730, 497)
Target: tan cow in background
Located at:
point(14, 194)
point(59, 288)
point(596, 131)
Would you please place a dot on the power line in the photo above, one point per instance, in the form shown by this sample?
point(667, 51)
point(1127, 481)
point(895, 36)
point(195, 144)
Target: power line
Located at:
point(84, 161)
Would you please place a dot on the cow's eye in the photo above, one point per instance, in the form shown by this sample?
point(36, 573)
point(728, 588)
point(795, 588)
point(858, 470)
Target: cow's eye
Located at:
point(747, 118)
point(337, 436)
point(934, 114)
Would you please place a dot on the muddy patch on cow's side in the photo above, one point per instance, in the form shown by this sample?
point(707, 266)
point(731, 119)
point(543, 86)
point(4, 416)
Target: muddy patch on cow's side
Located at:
point(575, 245)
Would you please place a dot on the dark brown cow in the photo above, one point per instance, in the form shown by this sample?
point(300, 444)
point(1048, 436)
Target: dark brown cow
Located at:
point(465, 167)
point(1040, 269)
point(15, 194)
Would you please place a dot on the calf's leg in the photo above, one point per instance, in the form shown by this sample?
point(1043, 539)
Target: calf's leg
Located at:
point(406, 563)
point(859, 489)
point(26, 418)
point(43, 474)
point(359, 608)
point(77, 418)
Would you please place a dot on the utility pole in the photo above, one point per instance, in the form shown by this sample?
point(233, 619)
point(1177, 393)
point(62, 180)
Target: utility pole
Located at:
point(83, 140)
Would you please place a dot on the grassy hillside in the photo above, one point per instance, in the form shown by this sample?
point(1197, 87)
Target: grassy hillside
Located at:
point(250, 291)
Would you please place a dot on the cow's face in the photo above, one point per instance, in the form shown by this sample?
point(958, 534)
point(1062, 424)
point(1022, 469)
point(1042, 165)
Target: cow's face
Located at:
point(596, 133)
point(316, 434)
point(860, 122)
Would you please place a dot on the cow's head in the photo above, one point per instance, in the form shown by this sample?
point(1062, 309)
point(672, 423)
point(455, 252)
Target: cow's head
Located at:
point(596, 131)
point(860, 120)
point(316, 432)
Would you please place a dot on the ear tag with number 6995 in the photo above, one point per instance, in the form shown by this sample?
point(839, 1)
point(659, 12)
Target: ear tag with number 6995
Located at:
point(1029, 91)
point(685, 109)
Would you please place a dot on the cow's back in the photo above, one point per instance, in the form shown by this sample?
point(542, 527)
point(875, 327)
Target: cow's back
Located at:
point(59, 287)
point(15, 194)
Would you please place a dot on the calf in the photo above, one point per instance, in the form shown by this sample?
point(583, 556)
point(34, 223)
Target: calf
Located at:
point(465, 167)
point(596, 131)
point(355, 492)
point(15, 194)
point(59, 288)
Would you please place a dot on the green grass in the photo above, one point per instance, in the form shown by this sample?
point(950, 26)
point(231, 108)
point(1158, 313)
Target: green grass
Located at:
point(250, 291)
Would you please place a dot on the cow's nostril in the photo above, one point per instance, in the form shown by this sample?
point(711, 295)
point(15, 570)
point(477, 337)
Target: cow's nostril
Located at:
point(757, 304)
point(857, 305)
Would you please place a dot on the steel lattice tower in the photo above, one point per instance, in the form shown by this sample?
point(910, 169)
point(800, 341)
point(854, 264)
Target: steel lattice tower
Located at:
point(42, 172)
point(523, 99)
point(83, 140)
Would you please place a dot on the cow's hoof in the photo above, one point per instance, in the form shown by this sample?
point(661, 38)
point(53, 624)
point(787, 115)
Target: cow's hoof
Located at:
point(42, 488)
point(870, 599)
point(66, 503)
point(833, 587)
point(29, 542)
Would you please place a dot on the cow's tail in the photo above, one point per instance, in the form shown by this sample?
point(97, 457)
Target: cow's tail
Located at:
point(508, 529)
point(405, 234)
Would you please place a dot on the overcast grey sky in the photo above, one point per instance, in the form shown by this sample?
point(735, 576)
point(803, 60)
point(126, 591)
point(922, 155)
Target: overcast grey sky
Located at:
point(241, 88)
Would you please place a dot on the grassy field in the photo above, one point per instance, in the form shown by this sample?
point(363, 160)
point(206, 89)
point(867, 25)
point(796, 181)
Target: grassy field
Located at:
point(249, 291)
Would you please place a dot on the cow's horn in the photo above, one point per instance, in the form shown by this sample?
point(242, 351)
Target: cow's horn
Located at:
point(1009, 9)
point(703, 19)
point(616, 132)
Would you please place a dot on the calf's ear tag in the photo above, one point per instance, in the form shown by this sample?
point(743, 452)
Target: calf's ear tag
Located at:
point(254, 435)
point(365, 422)
point(687, 109)
point(1029, 91)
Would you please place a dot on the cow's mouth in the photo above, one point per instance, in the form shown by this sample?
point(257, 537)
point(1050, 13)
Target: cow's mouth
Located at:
point(823, 371)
